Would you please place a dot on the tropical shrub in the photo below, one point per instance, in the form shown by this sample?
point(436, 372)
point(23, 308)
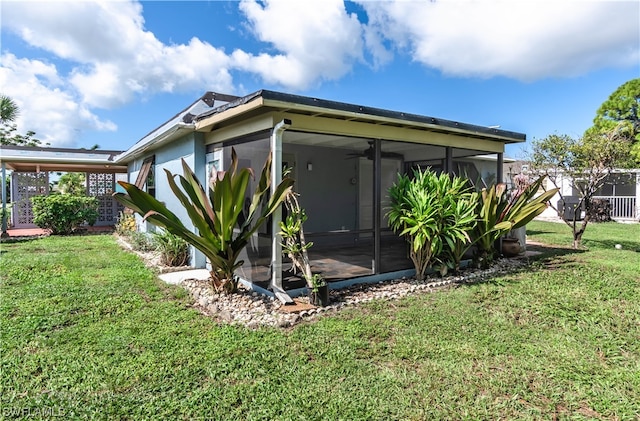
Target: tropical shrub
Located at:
point(435, 214)
point(499, 212)
point(141, 241)
point(6, 215)
point(222, 230)
point(64, 213)
point(294, 245)
point(174, 251)
point(126, 223)
point(459, 219)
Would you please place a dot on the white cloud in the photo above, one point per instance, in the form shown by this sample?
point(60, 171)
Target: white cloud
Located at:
point(114, 57)
point(520, 39)
point(105, 57)
point(46, 107)
point(312, 41)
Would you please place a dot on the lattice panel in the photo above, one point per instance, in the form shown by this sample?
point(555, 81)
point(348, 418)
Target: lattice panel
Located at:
point(101, 184)
point(26, 185)
point(102, 187)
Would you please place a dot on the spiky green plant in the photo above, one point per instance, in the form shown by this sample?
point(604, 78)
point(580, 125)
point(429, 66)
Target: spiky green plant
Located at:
point(221, 229)
point(500, 212)
point(434, 213)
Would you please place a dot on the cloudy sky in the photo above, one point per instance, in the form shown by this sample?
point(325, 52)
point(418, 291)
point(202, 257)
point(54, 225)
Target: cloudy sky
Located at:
point(109, 72)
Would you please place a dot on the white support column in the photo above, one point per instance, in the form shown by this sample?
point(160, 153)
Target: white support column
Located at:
point(637, 215)
point(4, 201)
point(276, 217)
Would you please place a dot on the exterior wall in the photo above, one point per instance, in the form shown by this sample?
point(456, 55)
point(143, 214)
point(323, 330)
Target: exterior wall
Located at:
point(190, 148)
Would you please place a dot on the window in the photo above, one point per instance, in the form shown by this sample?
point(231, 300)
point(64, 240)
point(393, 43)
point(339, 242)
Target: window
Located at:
point(146, 176)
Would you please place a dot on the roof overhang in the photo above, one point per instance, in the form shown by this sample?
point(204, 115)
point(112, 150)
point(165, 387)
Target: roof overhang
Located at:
point(35, 159)
point(339, 114)
point(155, 140)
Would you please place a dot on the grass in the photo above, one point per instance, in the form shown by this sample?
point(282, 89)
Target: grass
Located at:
point(88, 332)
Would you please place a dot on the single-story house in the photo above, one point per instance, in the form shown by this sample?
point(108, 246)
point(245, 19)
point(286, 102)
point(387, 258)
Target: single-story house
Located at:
point(343, 157)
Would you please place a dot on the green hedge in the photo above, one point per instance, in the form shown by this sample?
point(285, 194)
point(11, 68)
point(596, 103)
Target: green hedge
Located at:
point(64, 213)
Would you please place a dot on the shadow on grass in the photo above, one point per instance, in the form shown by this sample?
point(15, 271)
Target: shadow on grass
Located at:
point(539, 232)
point(545, 257)
point(611, 244)
point(22, 239)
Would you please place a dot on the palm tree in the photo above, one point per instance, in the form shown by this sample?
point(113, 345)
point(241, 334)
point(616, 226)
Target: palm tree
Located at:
point(8, 109)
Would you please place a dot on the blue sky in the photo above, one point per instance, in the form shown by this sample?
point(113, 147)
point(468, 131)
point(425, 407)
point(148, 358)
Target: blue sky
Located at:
point(109, 72)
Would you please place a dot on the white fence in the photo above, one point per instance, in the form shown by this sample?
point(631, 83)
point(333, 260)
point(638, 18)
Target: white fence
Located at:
point(622, 207)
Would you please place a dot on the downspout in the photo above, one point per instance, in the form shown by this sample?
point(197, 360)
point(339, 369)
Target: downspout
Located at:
point(276, 217)
point(4, 201)
point(500, 169)
point(448, 161)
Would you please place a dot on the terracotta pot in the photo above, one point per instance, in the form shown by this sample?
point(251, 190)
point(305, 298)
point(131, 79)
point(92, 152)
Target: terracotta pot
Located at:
point(511, 247)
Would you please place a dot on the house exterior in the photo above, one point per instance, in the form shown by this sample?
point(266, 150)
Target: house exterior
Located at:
point(621, 189)
point(342, 156)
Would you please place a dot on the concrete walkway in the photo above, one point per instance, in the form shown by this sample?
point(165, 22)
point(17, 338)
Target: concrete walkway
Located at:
point(175, 278)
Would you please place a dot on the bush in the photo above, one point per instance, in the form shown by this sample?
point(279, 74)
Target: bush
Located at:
point(126, 224)
point(8, 215)
point(64, 213)
point(435, 214)
point(599, 210)
point(141, 241)
point(174, 251)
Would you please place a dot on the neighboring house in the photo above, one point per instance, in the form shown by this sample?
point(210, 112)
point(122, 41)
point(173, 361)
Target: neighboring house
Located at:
point(343, 157)
point(621, 189)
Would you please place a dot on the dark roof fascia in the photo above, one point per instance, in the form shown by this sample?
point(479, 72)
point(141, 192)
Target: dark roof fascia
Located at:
point(360, 109)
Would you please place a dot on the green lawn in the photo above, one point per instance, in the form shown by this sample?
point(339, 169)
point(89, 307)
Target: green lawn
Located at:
point(88, 333)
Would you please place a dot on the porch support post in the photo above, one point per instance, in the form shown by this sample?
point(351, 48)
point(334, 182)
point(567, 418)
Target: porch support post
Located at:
point(448, 160)
point(377, 203)
point(4, 201)
point(500, 169)
point(276, 217)
point(637, 214)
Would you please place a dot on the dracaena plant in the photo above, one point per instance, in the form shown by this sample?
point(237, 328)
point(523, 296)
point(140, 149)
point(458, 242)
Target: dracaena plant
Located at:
point(222, 231)
point(434, 213)
point(499, 212)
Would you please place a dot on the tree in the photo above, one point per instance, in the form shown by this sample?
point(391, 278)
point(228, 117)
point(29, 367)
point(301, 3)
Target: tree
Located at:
point(8, 136)
point(72, 183)
point(8, 109)
point(583, 163)
point(622, 109)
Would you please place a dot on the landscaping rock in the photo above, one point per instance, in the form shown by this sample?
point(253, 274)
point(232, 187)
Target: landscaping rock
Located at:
point(253, 310)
